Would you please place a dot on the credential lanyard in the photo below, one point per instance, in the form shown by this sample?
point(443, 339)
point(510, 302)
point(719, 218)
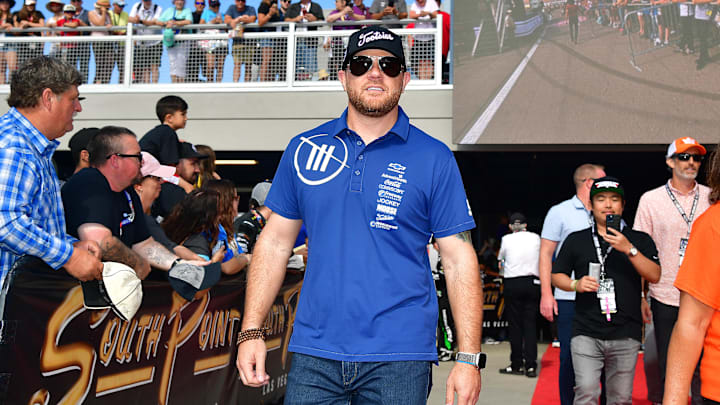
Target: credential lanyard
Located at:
point(129, 218)
point(688, 220)
point(602, 258)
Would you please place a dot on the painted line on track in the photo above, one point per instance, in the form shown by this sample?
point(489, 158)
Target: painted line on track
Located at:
point(472, 136)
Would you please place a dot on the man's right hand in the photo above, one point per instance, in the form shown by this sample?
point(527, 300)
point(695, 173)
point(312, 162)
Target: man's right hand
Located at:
point(587, 284)
point(251, 363)
point(84, 266)
point(548, 306)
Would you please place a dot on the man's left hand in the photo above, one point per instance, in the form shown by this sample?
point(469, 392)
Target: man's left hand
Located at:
point(464, 380)
point(618, 241)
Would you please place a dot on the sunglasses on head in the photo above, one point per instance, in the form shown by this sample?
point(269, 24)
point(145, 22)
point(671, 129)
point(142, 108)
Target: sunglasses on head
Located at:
point(684, 157)
point(361, 64)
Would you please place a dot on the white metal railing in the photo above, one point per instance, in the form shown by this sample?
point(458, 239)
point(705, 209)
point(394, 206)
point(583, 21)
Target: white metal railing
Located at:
point(286, 59)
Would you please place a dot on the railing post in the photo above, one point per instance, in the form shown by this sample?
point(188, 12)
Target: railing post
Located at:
point(438, 49)
point(127, 74)
point(290, 66)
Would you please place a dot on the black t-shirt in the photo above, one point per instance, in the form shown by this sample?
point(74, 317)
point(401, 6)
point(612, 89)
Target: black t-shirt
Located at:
point(163, 143)
point(87, 198)
point(170, 196)
point(158, 233)
point(247, 229)
point(264, 8)
point(576, 253)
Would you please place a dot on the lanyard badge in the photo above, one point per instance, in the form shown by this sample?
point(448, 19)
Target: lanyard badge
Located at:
point(688, 220)
point(606, 296)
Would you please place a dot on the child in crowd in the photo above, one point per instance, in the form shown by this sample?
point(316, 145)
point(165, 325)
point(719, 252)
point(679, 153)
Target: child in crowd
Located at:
point(162, 141)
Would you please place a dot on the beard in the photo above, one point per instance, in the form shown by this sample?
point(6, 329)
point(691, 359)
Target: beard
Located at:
point(376, 108)
point(685, 175)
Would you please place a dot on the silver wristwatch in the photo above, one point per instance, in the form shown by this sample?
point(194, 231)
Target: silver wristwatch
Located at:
point(475, 359)
point(633, 251)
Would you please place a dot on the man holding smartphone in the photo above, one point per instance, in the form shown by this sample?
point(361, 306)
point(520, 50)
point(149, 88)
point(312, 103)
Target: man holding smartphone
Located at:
point(389, 10)
point(667, 214)
point(607, 326)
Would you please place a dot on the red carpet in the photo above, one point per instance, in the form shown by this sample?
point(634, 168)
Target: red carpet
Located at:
point(546, 389)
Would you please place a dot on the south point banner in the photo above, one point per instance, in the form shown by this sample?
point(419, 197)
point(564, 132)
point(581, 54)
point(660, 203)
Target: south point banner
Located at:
point(54, 351)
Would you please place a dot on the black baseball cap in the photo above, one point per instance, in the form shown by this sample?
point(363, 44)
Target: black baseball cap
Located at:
point(517, 218)
point(188, 151)
point(607, 183)
point(374, 37)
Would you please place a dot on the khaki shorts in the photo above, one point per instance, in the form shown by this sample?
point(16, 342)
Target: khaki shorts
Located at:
point(243, 52)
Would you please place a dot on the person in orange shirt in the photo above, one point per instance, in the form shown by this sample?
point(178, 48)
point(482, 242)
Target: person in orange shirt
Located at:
point(697, 329)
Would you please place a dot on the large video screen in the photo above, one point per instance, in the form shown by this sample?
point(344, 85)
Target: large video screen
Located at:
point(631, 75)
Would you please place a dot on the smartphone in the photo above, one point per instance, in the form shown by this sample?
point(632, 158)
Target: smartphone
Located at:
point(613, 221)
point(391, 3)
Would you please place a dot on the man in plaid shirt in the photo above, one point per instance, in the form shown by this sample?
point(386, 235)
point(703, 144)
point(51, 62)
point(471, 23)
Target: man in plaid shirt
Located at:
point(43, 99)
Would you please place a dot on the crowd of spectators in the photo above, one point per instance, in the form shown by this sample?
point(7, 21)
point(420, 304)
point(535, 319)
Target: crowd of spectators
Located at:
point(253, 59)
point(690, 25)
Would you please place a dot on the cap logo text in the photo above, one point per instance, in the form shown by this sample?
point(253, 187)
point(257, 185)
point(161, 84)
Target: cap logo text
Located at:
point(607, 184)
point(374, 36)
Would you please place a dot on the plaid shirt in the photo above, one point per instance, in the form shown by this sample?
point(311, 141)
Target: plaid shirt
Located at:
point(32, 219)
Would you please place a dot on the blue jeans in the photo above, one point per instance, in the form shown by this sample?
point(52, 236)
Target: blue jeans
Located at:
point(317, 381)
point(566, 313)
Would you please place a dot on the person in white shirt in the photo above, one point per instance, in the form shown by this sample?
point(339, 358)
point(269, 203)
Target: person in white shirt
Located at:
point(148, 54)
point(422, 51)
point(519, 256)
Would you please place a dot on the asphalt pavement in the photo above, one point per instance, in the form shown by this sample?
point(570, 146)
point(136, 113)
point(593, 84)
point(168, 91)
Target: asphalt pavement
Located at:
point(496, 388)
point(587, 93)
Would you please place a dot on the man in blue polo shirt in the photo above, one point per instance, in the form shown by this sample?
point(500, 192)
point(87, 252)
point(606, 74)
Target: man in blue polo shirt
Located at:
point(371, 189)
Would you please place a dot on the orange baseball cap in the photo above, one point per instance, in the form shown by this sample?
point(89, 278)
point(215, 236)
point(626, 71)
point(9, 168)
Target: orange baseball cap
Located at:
point(681, 145)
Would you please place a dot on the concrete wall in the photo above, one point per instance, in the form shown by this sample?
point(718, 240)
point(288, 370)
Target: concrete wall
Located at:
point(263, 120)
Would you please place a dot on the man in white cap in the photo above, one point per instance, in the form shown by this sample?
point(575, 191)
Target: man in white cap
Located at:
point(667, 214)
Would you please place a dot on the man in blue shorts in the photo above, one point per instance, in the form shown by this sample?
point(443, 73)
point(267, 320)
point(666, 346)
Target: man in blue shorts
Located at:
point(371, 189)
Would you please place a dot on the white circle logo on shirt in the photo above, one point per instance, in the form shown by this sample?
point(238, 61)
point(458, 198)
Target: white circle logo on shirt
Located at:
point(316, 161)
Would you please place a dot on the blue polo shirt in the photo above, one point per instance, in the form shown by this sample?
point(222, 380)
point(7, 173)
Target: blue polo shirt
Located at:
point(562, 220)
point(368, 293)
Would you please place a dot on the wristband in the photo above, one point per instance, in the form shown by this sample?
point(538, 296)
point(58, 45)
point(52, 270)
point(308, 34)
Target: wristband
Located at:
point(574, 285)
point(251, 334)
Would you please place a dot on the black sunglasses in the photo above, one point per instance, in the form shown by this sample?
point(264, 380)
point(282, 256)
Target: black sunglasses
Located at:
point(138, 156)
point(684, 157)
point(361, 64)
